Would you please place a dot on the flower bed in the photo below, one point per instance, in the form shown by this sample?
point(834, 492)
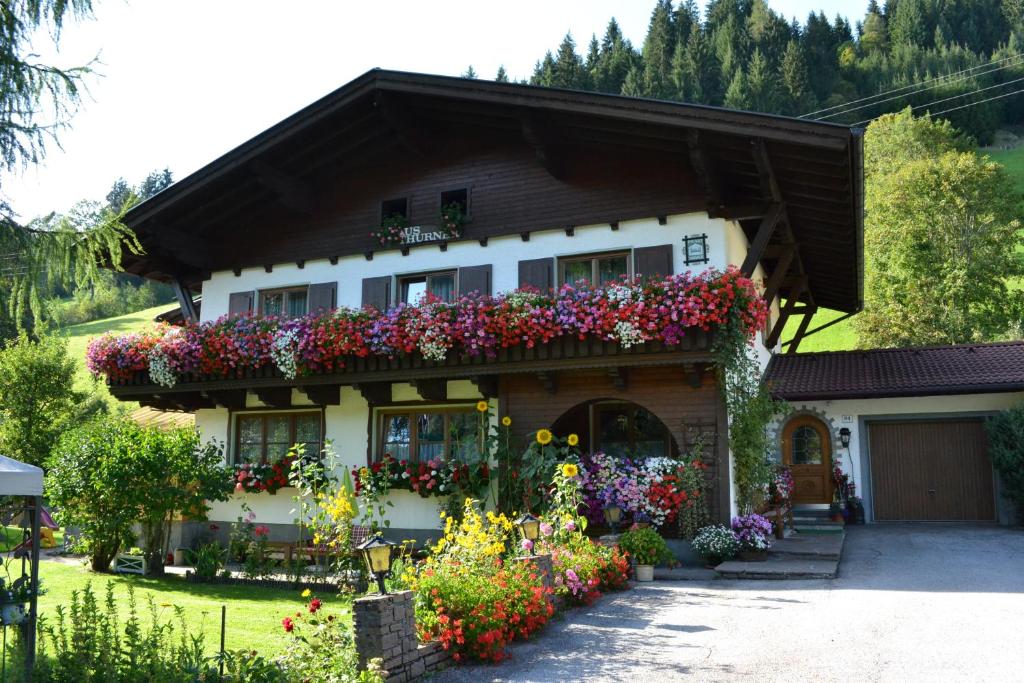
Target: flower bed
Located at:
point(436, 477)
point(627, 313)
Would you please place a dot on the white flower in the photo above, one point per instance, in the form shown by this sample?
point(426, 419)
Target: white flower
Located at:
point(160, 368)
point(283, 352)
point(628, 334)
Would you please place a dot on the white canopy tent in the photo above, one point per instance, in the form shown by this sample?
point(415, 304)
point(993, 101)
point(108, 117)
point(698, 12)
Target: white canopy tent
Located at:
point(19, 479)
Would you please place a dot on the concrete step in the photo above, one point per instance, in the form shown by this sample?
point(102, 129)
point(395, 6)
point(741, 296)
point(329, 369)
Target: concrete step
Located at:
point(809, 546)
point(780, 568)
point(819, 530)
point(816, 521)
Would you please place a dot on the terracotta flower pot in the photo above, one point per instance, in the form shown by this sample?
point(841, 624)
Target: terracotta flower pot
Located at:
point(645, 572)
point(753, 555)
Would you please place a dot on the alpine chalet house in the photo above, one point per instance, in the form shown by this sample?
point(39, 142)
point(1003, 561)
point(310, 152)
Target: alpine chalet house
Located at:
point(399, 185)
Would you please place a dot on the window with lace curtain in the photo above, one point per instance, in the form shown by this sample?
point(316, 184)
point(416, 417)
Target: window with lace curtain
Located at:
point(441, 286)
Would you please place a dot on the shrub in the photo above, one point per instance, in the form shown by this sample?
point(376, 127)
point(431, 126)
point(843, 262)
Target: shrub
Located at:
point(208, 560)
point(584, 568)
point(1006, 445)
point(645, 545)
point(323, 648)
point(716, 543)
point(753, 532)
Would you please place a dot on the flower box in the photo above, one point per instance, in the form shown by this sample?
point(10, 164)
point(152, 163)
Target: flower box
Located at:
point(126, 563)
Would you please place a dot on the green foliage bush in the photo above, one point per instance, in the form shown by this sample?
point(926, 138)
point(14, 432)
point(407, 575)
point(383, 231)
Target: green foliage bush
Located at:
point(716, 544)
point(1006, 446)
point(110, 296)
point(646, 546)
point(112, 473)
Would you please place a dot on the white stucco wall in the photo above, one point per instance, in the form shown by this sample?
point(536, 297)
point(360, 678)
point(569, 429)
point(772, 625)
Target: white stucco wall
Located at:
point(854, 414)
point(503, 252)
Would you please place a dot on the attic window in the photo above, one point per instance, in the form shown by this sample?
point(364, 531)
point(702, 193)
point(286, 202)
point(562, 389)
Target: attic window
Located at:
point(394, 207)
point(460, 197)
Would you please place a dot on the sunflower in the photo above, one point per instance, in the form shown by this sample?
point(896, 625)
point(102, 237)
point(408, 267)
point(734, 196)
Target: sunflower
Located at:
point(569, 470)
point(506, 421)
point(573, 440)
point(544, 436)
point(481, 406)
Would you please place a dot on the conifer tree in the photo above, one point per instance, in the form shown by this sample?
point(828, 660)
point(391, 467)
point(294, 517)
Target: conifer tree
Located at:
point(796, 81)
point(737, 96)
point(875, 36)
point(762, 84)
point(909, 25)
point(680, 76)
point(616, 58)
point(502, 75)
point(686, 20)
point(633, 85)
point(703, 69)
point(568, 71)
point(657, 51)
point(469, 73)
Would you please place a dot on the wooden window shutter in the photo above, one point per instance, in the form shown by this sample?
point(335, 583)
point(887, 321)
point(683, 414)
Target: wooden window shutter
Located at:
point(650, 262)
point(475, 279)
point(323, 296)
point(538, 273)
point(377, 291)
point(240, 302)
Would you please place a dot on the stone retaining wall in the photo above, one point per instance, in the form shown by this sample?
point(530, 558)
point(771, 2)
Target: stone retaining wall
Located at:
point(385, 629)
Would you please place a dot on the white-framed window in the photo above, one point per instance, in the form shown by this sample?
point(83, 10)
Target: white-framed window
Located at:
point(598, 269)
point(291, 302)
point(441, 285)
point(266, 436)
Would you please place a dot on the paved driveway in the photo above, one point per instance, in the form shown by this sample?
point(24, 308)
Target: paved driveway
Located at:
point(912, 603)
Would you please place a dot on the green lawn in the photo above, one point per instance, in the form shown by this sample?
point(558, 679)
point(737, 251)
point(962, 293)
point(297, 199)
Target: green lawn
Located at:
point(253, 614)
point(78, 336)
point(1013, 160)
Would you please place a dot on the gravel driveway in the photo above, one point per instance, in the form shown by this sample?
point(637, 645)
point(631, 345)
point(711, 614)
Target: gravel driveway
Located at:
point(912, 603)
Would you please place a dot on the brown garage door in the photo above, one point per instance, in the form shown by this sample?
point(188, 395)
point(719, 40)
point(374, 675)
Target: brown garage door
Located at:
point(931, 471)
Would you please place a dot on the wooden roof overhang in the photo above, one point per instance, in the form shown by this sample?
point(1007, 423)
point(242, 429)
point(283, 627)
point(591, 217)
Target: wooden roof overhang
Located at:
point(795, 186)
point(374, 375)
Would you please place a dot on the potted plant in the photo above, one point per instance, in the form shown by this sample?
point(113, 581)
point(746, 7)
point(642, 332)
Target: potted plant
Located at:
point(13, 596)
point(715, 544)
point(835, 512)
point(451, 219)
point(648, 548)
point(391, 230)
point(753, 533)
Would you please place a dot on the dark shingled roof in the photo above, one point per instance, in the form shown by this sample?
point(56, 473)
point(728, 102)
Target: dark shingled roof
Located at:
point(922, 371)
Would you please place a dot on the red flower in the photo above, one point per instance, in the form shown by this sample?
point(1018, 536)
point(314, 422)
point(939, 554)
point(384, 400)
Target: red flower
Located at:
point(314, 605)
point(288, 624)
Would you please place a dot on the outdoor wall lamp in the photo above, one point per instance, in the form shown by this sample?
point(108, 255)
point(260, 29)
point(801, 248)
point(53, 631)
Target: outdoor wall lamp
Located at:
point(844, 437)
point(529, 527)
point(612, 516)
point(376, 552)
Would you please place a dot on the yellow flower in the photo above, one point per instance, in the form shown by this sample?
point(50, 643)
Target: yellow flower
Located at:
point(364, 471)
point(316, 541)
point(506, 420)
point(481, 406)
point(569, 470)
point(573, 439)
point(544, 436)
point(306, 593)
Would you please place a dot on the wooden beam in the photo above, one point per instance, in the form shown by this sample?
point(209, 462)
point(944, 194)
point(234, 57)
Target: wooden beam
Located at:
point(188, 401)
point(275, 397)
point(704, 176)
point(432, 389)
point(487, 385)
point(771, 288)
point(323, 394)
point(694, 374)
point(764, 234)
point(769, 183)
point(290, 192)
point(402, 125)
point(791, 300)
point(801, 331)
point(184, 296)
point(619, 377)
point(232, 399)
point(375, 393)
point(740, 212)
point(549, 380)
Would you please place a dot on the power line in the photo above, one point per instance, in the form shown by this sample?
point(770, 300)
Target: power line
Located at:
point(971, 104)
point(947, 99)
point(945, 79)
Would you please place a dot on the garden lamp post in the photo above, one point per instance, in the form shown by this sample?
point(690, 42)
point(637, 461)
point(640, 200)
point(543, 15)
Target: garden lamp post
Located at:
point(612, 516)
point(529, 527)
point(376, 552)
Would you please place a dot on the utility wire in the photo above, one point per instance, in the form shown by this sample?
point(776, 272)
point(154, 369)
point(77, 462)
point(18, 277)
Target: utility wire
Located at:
point(947, 99)
point(944, 80)
point(971, 104)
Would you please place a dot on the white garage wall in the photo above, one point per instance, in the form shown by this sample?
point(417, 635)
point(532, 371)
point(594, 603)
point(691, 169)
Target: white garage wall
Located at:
point(855, 413)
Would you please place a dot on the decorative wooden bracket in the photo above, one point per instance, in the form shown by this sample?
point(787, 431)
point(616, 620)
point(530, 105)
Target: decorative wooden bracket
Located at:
point(778, 275)
point(232, 399)
point(375, 393)
point(433, 389)
point(188, 306)
point(275, 397)
point(549, 380)
point(801, 330)
point(791, 301)
point(694, 374)
point(776, 214)
point(619, 378)
point(323, 394)
point(541, 142)
point(702, 171)
point(487, 385)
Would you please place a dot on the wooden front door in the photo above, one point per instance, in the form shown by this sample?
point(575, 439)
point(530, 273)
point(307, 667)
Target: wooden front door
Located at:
point(807, 451)
point(931, 471)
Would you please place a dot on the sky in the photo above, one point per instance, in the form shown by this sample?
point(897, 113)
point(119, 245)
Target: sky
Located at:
point(178, 83)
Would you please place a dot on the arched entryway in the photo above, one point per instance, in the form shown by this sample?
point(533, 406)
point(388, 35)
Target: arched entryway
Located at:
point(807, 451)
point(617, 427)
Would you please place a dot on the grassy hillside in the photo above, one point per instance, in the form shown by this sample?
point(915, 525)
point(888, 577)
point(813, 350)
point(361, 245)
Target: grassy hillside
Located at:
point(79, 335)
point(1013, 160)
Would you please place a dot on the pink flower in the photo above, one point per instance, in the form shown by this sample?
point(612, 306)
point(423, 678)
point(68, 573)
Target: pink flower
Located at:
point(527, 545)
point(570, 525)
point(546, 528)
point(239, 488)
point(250, 516)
